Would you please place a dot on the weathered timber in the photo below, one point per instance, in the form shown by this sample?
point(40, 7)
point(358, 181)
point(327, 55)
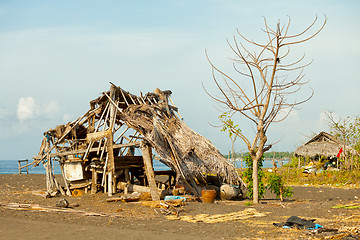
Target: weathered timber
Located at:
point(146, 149)
point(68, 192)
point(26, 166)
point(80, 151)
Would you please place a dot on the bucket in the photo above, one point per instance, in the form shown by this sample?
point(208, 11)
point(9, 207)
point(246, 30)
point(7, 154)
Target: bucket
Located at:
point(208, 196)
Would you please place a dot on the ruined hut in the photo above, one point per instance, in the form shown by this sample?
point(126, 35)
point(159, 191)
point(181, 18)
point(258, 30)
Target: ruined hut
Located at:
point(322, 145)
point(116, 140)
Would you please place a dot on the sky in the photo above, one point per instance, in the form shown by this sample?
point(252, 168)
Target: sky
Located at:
point(56, 56)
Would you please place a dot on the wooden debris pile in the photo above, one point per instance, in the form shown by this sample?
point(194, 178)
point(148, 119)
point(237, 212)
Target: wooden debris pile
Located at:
point(97, 151)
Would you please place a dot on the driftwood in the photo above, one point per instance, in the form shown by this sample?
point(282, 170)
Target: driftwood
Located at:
point(126, 198)
point(126, 187)
point(37, 207)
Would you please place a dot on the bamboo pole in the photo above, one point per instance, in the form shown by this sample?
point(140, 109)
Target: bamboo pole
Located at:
point(96, 129)
point(106, 118)
point(104, 173)
point(68, 192)
point(176, 107)
point(127, 128)
point(115, 146)
point(123, 95)
point(110, 150)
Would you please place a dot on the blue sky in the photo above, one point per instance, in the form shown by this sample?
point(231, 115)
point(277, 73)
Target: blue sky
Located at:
point(56, 56)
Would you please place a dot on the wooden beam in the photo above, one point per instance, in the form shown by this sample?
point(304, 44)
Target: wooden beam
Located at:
point(110, 143)
point(146, 152)
point(115, 146)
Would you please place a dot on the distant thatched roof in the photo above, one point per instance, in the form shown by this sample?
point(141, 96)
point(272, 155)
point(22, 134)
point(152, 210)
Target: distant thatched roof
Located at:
point(323, 144)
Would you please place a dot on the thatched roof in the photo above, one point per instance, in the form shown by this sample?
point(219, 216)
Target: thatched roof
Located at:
point(323, 144)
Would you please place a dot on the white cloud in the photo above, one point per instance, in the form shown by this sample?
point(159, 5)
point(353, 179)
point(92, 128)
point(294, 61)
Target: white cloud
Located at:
point(26, 108)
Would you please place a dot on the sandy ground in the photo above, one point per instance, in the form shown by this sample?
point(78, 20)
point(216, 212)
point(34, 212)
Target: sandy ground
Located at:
point(135, 221)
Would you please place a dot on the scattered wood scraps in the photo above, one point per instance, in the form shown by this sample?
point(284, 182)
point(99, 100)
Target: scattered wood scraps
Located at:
point(37, 207)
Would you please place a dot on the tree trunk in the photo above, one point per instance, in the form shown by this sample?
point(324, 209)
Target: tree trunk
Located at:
point(255, 177)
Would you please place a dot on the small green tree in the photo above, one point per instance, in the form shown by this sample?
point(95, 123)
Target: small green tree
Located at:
point(276, 185)
point(248, 176)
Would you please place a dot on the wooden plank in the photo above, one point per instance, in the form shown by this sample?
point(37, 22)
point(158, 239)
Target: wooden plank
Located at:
point(115, 146)
point(146, 152)
point(95, 136)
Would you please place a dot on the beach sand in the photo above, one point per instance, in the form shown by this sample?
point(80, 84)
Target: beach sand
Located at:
point(135, 221)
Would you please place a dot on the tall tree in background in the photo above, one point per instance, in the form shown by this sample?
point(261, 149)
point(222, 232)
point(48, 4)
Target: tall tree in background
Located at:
point(267, 77)
point(347, 131)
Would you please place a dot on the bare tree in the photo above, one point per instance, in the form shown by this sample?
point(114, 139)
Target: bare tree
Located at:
point(262, 93)
point(347, 131)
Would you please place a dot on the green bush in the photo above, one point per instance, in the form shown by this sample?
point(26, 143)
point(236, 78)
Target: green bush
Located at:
point(276, 186)
point(247, 174)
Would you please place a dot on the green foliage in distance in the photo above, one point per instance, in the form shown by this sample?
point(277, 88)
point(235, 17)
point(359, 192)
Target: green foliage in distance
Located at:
point(268, 155)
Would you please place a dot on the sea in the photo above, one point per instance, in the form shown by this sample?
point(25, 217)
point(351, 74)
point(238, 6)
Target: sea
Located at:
point(12, 166)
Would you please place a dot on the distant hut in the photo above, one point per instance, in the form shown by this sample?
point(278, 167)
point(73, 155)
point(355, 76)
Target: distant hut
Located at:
point(322, 145)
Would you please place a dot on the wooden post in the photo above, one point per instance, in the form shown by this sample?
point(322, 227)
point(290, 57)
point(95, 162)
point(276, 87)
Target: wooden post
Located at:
point(146, 152)
point(110, 187)
point(94, 179)
point(127, 175)
point(68, 192)
point(110, 150)
point(26, 166)
point(48, 181)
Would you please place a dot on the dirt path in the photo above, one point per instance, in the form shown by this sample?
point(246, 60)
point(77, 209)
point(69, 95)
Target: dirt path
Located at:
point(136, 221)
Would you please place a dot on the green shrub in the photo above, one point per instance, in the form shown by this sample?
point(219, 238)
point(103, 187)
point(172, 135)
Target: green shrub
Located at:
point(276, 186)
point(247, 174)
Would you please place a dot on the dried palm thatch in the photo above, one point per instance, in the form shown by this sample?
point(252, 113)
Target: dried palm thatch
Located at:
point(314, 149)
point(178, 146)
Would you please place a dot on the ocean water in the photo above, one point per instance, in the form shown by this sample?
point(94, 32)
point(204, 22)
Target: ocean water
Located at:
point(12, 166)
point(268, 163)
